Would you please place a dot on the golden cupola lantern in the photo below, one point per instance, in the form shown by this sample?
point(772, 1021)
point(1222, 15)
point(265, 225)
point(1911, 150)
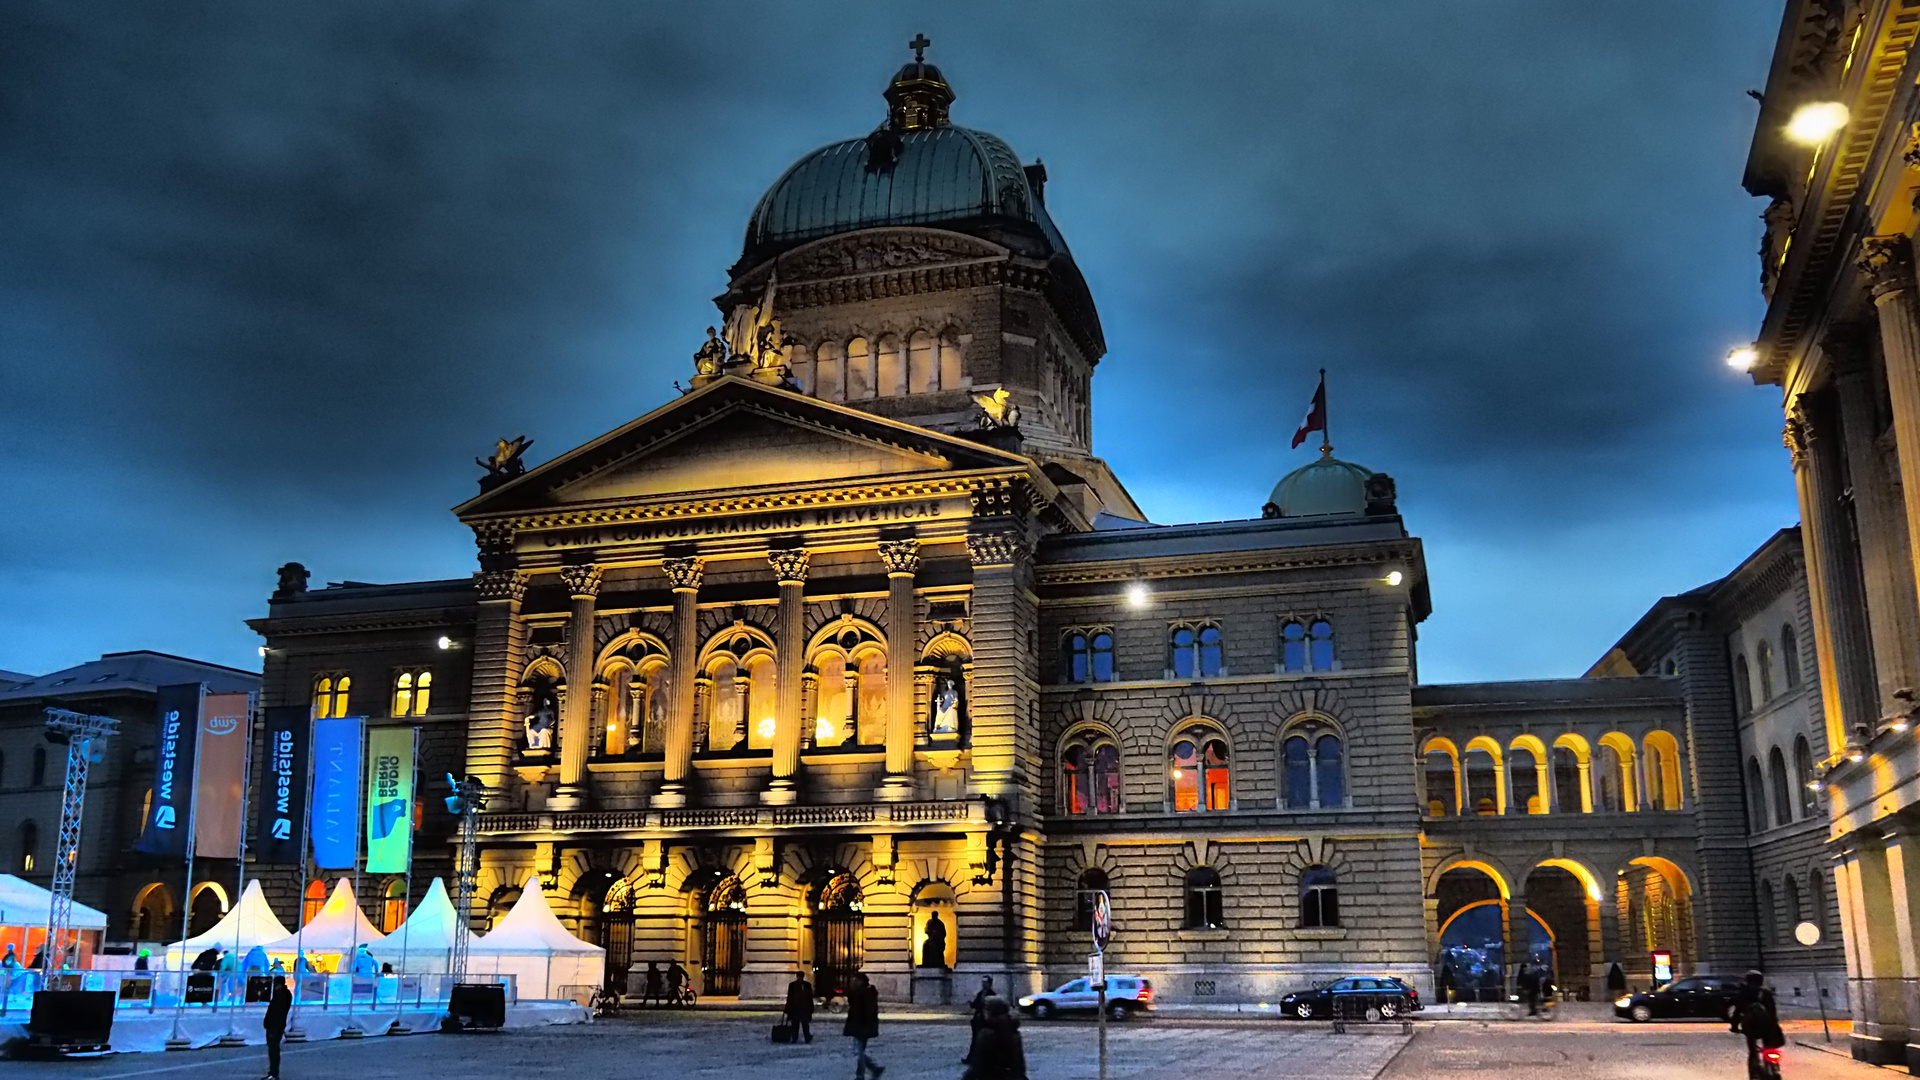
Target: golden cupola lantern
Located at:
point(919, 96)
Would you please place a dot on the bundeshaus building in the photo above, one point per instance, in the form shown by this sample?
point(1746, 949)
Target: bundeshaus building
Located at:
point(854, 656)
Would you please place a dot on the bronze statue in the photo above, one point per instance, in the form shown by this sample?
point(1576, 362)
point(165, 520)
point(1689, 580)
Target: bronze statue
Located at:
point(933, 953)
point(708, 359)
point(505, 463)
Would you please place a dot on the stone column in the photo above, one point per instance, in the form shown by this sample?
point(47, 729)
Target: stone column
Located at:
point(684, 575)
point(1839, 638)
point(903, 561)
point(790, 569)
point(576, 719)
point(1888, 264)
point(1873, 945)
point(1517, 937)
point(499, 652)
point(1893, 612)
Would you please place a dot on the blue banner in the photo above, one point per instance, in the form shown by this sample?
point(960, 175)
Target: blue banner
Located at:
point(283, 782)
point(336, 792)
point(166, 829)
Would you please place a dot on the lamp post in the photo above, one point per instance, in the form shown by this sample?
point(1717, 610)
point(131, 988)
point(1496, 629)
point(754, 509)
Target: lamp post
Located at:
point(77, 730)
point(1808, 934)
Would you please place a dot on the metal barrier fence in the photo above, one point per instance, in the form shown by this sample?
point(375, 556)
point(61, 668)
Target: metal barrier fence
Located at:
point(155, 991)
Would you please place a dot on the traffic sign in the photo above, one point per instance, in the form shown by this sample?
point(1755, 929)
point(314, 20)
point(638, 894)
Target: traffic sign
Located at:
point(1097, 970)
point(1102, 920)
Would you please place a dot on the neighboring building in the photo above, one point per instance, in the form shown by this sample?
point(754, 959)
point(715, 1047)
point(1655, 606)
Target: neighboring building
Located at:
point(140, 894)
point(1841, 339)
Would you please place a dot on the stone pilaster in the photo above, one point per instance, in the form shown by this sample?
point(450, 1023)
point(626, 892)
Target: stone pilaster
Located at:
point(1833, 587)
point(790, 570)
point(499, 652)
point(576, 722)
point(903, 562)
point(1005, 688)
point(1893, 612)
point(1887, 262)
point(684, 575)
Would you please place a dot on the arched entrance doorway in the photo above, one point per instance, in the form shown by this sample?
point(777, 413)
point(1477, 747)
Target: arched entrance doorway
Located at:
point(1656, 915)
point(723, 937)
point(153, 914)
point(1566, 897)
point(607, 920)
point(839, 933)
point(209, 904)
point(1470, 960)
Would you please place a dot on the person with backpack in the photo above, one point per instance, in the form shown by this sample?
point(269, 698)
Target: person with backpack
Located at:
point(1760, 1024)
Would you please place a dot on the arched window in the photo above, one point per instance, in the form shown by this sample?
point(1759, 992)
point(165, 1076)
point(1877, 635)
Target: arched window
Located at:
point(1205, 907)
point(1310, 764)
point(1790, 655)
point(861, 378)
point(1199, 771)
point(1817, 901)
point(923, 371)
point(393, 909)
point(1196, 651)
point(1306, 645)
point(1742, 685)
point(1804, 781)
point(1319, 898)
point(312, 901)
point(1440, 784)
point(330, 694)
point(1566, 780)
point(762, 690)
point(800, 367)
point(620, 726)
point(830, 724)
point(1763, 659)
point(1608, 771)
point(949, 361)
point(39, 776)
point(1483, 782)
point(829, 371)
point(29, 854)
point(1783, 799)
point(1320, 644)
point(1769, 915)
point(1523, 781)
point(871, 727)
point(410, 692)
point(1087, 655)
point(1756, 797)
point(1092, 882)
point(1790, 900)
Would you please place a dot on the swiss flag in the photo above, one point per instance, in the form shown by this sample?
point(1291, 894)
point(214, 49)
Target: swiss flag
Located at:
point(1316, 415)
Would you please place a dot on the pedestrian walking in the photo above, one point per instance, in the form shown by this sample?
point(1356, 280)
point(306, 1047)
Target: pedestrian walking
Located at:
point(655, 985)
point(979, 1021)
point(275, 1023)
point(1527, 981)
point(140, 962)
point(998, 1053)
point(863, 1025)
point(800, 1006)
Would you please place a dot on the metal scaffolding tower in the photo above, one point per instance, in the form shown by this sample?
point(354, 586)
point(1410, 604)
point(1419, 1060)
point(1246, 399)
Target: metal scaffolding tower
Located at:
point(77, 730)
point(468, 799)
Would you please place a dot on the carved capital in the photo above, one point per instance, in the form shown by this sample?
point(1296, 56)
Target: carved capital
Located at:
point(510, 585)
point(493, 537)
point(790, 565)
point(583, 582)
point(993, 549)
point(901, 556)
point(684, 573)
point(1887, 262)
point(1797, 437)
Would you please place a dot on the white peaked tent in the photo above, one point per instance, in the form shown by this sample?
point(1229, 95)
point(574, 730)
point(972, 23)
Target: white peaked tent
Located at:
point(331, 934)
point(22, 903)
point(424, 943)
point(530, 944)
point(248, 923)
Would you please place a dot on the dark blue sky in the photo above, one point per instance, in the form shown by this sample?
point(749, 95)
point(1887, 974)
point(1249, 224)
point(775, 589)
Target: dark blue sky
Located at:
point(273, 275)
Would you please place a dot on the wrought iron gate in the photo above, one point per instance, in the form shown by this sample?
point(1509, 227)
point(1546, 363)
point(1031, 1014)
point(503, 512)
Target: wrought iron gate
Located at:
point(723, 951)
point(839, 934)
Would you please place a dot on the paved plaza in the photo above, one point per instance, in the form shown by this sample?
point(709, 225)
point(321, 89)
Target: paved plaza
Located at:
point(923, 1048)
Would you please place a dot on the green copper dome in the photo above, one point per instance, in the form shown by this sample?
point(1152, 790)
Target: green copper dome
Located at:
point(1327, 486)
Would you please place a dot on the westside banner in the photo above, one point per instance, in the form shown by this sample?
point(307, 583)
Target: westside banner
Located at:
point(283, 784)
point(165, 830)
point(390, 799)
point(226, 726)
point(336, 792)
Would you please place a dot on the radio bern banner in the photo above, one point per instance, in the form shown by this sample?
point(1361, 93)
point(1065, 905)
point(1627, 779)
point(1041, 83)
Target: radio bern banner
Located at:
point(283, 785)
point(336, 792)
point(165, 830)
point(389, 799)
point(226, 726)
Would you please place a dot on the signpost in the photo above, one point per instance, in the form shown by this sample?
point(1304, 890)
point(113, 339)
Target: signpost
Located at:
point(1808, 934)
point(1102, 927)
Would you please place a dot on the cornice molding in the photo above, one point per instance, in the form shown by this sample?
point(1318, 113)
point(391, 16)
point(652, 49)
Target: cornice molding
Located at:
point(1171, 566)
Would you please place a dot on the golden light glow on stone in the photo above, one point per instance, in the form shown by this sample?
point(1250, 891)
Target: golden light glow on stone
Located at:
point(1395, 578)
point(1137, 595)
point(1816, 122)
point(1743, 358)
point(765, 728)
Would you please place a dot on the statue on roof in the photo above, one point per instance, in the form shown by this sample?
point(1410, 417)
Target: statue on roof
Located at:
point(505, 463)
point(997, 409)
point(711, 356)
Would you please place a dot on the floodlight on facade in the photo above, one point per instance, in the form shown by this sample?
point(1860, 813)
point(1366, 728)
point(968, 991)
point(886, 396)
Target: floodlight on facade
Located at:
point(1395, 577)
point(1816, 122)
point(1743, 358)
point(1137, 595)
point(445, 642)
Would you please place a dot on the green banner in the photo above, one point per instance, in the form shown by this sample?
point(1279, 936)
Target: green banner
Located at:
point(389, 799)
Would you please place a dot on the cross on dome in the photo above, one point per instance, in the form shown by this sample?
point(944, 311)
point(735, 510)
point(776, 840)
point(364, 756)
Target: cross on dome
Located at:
point(919, 46)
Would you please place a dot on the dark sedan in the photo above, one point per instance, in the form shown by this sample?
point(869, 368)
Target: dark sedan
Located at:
point(1356, 997)
point(1704, 997)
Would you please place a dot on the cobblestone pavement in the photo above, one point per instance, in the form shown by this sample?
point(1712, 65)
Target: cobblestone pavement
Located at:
point(1609, 1051)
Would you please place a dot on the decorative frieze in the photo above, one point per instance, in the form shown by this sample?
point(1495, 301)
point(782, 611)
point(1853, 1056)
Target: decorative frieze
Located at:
point(684, 573)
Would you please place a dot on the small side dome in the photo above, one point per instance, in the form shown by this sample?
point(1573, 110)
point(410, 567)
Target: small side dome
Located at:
point(1327, 486)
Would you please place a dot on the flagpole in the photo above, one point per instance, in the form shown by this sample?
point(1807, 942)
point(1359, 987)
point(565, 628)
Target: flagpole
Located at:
point(1326, 424)
point(240, 858)
point(406, 915)
point(186, 907)
point(352, 1030)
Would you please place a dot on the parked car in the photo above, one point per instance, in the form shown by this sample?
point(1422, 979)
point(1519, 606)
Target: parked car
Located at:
point(1706, 997)
point(1369, 996)
point(1126, 995)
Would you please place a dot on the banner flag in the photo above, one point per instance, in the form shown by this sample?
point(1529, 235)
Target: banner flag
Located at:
point(390, 799)
point(336, 792)
point(283, 785)
point(226, 726)
point(165, 830)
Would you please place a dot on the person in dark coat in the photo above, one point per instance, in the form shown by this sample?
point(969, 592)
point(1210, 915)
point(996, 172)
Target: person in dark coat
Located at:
point(863, 1024)
point(655, 989)
point(208, 960)
point(800, 1005)
point(1760, 1025)
point(1527, 981)
point(275, 1023)
point(979, 1006)
point(676, 978)
point(1749, 993)
point(998, 1053)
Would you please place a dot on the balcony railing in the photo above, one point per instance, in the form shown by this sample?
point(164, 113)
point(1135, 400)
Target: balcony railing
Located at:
point(965, 811)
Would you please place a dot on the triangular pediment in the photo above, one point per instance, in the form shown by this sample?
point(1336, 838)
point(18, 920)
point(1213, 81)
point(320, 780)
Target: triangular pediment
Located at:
point(736, 434)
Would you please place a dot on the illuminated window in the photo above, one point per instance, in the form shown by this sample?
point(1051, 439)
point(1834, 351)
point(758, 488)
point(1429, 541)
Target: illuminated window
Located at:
point(1199, 771)
point(860, 373)
point(1205, 904)
point(1790, 655)
point(870, 728)
point(830, 367)
point(29, 847)
point(831, 725)
point(1196, 651)
point(949, 361)
point(330, 695)
point(761, 695)
point(312, 901)
point(619, 725)
point(1319, 898)
point(411, 689)
point(1306, 645)
point(1087, 655)
point(1092, 882)
point(1808, 787)
point(393, 909)
point(923, 371)
point(1090, 775)
point(1311, 774)
point(886, 370)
